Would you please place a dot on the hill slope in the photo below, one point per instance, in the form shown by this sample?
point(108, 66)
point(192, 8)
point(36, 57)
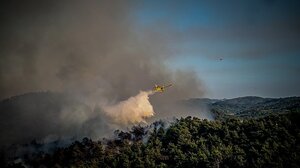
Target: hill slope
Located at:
point(249, 106)
point(271, 141)
point(248, 132)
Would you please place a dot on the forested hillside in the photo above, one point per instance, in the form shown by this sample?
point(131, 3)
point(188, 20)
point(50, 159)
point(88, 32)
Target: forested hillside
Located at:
point(271, 141)
point(246, 107)
point(246, 132)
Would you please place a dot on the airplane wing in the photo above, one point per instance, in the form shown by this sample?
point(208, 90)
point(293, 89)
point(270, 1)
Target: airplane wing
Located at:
point(168, 85)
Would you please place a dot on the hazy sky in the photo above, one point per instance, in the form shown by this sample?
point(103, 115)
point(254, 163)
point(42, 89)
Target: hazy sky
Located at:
point(234, 47)
point(259, 42)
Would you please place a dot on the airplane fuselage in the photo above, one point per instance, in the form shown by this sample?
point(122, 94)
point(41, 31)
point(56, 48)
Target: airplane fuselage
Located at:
point(158, 88)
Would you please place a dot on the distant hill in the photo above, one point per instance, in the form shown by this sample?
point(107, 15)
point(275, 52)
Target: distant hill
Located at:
point(249, 106)
point(50, 103)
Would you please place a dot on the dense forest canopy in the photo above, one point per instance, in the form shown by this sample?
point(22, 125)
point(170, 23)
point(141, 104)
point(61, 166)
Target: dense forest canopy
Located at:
point(271, 141)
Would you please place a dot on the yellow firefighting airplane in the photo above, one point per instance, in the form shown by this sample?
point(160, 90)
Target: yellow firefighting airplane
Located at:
point(162, 88)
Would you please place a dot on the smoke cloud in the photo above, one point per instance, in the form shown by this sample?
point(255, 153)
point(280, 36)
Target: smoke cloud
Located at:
point(93, 51)
point(131, 111)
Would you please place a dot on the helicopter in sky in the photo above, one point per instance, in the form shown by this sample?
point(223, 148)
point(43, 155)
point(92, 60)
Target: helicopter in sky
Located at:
point(158, 88)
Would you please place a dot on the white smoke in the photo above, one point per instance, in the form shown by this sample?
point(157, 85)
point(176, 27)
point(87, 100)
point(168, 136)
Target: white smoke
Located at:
point(131, 111)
